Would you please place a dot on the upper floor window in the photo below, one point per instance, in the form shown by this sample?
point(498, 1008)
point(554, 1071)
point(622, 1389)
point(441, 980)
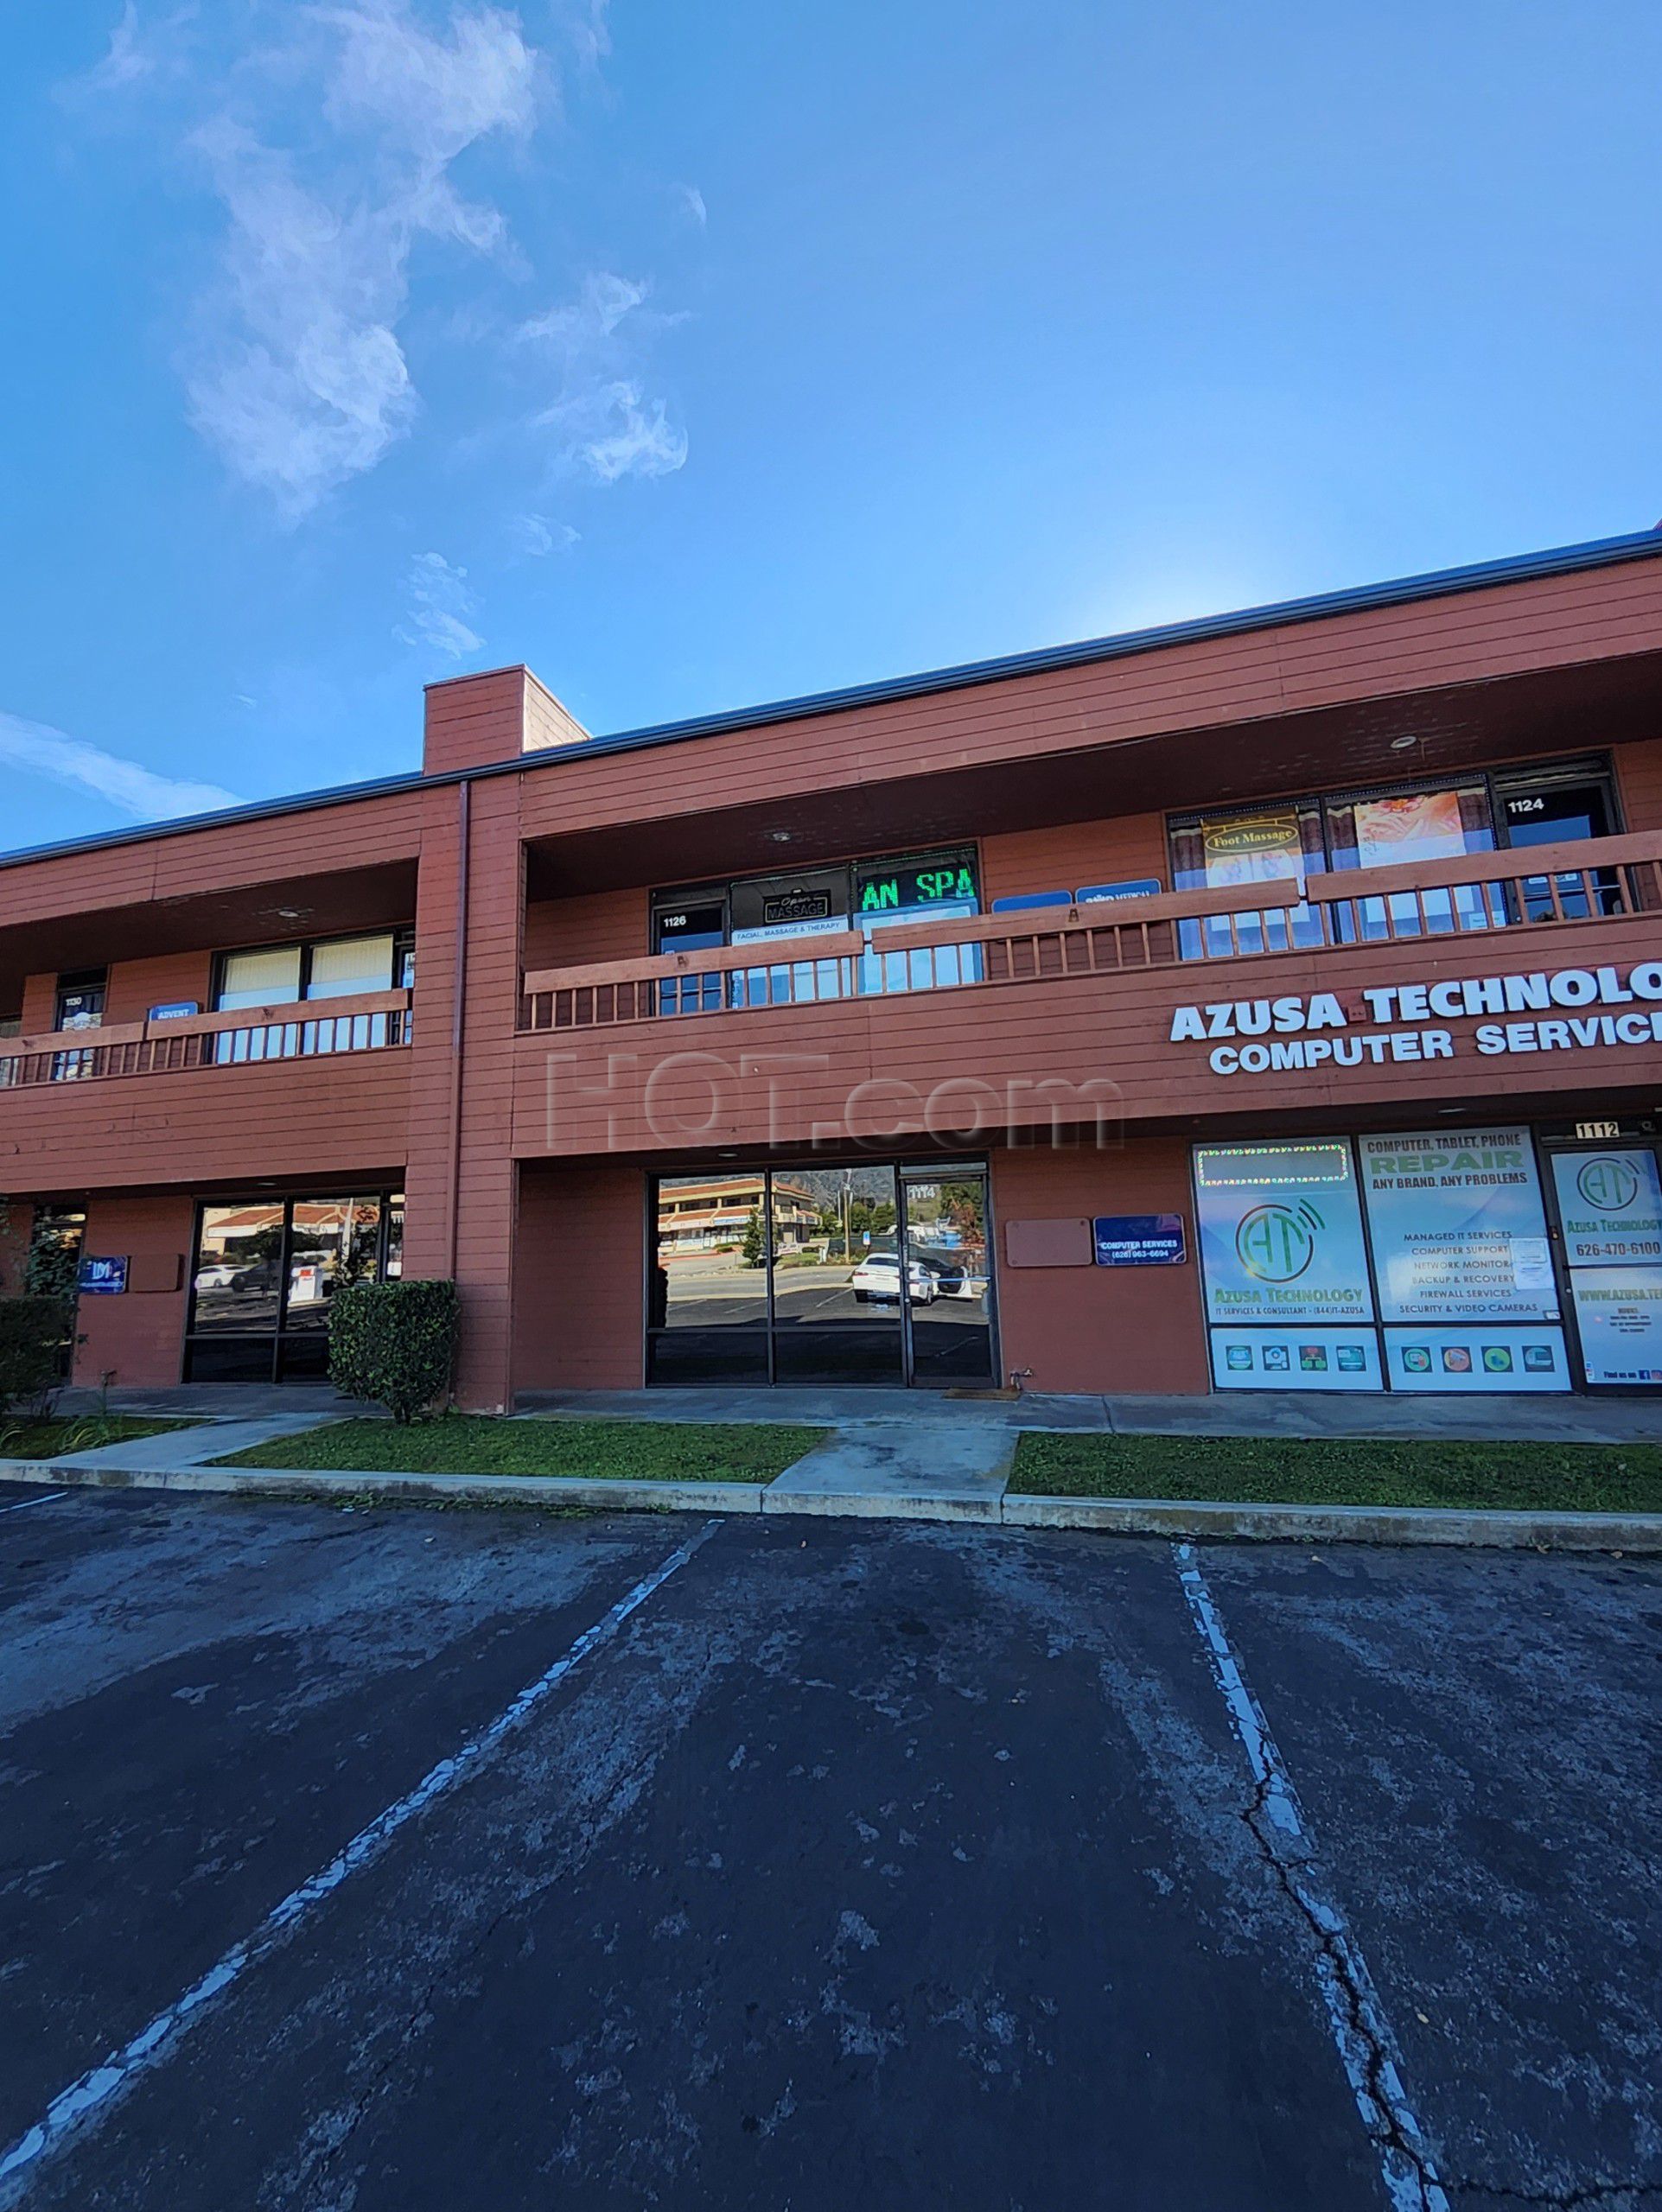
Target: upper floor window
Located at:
point(1385, 826)
point(865, 895)
point(78, 1004)
point(80, 1001)
point(328, 968)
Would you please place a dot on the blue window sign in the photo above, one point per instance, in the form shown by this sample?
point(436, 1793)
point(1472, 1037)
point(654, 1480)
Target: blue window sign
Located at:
point(1023, 902)
point(174, 1010)
point(1139, 1240)
point(101, 1277)
point(1142, 886)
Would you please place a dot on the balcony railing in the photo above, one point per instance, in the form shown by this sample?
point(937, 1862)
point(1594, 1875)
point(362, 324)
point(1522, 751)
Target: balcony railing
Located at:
point(367, 1022)
point(1544, 887)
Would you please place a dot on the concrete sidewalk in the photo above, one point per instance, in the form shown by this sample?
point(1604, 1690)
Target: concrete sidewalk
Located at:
point(874, 1470)
point(1227, 1412)
point(1524, 1419)
point(916, 1470)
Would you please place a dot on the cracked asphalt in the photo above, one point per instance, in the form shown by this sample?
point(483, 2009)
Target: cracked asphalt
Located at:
point(884, 1863)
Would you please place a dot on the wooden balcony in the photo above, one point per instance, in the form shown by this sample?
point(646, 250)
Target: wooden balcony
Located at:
point(260, 1093)
point(1074, 1014)
point(1559, 887)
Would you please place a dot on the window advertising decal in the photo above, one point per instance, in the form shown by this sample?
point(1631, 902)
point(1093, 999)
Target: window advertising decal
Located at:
point(1479, 1357)
point(1610, 1206)
point(1619, 1316)
point(1281, 1235)
point(1253, 847)
point(1418, 826)
point(1458, 1227)
point(1295, 1359)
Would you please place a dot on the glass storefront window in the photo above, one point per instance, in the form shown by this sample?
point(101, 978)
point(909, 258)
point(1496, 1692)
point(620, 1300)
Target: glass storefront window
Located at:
point(864, 895)
point(1223, 852)
point(268, 977)
point(1396, 829)
point(795, 1276)
point(348, 966)
point(238, 1281)
point(1450, 1286)
point(1394, 826)
point(1610, 1218)
point(264, 1271)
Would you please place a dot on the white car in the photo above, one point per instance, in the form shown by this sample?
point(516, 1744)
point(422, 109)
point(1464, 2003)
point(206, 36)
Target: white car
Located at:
point(878, 1276)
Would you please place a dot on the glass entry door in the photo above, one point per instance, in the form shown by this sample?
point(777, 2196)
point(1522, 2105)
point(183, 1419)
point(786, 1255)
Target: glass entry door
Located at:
point(1610, 1206)
point(948, 1275)
point(820, 1276)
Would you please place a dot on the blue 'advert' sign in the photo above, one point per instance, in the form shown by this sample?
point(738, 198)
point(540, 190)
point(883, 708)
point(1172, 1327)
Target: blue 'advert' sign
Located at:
point(1139, 1240)
point(101, 1276)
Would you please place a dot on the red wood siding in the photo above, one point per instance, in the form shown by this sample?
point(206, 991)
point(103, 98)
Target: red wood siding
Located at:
point(1639, 777)
point(1510, 629)
point(135, 1338)
point(1106, 1329)
point(785, 1074)
point(137, 985)
point(1073, 854)
point(578, 1256)
point(484, 1206)
point(287, 1119)
point(600, 925)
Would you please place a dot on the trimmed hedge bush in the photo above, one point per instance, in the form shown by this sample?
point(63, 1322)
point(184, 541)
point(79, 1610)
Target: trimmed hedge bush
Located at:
point(32, 1335)
point(393, 1342)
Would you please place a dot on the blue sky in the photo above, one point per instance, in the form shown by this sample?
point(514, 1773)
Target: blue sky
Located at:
point(700, 355)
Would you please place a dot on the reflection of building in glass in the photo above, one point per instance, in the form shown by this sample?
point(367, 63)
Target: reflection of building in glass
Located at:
point(704, 1216)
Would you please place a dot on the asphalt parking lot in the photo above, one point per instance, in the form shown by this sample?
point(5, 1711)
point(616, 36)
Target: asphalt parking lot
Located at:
point(410, 1858)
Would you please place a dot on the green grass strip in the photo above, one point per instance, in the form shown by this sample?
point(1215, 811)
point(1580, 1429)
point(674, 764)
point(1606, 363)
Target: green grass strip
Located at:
point(1343, 1470)
point(67, 1433)
point(489, 1444)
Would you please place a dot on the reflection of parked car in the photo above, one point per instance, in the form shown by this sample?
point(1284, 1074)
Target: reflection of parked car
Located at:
point(878, 1276)
point(221, 1276)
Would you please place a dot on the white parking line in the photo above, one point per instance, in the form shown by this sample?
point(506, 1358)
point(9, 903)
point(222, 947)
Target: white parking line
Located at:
point(23, 1503)
point(92, 2095)
point(1356, 2019)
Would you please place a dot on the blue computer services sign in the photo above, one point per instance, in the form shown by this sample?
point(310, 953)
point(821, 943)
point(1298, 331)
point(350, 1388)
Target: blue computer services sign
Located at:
point(1139, 1240)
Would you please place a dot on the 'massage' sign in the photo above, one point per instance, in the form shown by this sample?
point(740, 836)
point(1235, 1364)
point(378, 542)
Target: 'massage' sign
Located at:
point(1583, 1006)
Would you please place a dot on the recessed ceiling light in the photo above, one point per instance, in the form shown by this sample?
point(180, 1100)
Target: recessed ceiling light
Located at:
point(289, 913)
point(1402, 744)
point(780, 836)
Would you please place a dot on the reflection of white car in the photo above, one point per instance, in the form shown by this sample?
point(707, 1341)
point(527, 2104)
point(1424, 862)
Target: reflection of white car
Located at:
point(219, 1275)
point(878, 1275)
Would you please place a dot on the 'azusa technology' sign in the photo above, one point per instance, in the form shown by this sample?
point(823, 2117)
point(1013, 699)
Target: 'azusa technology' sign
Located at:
point(1583, 1006)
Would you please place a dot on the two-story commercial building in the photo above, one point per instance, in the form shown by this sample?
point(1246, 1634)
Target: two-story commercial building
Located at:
point(1273, 1001)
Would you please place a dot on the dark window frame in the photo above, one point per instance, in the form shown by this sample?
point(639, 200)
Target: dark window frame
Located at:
point(402, 935)
point(1589, 767)
point(279, 1333)
point(719, 889)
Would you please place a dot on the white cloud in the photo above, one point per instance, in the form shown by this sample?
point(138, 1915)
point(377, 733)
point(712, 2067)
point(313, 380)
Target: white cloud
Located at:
point(125, 60)
point(604, 422)
point(439, 599)
point(299, 379)
point(584, 25)
point(632, 438)
point(133, 54)
point(135, 790)
point(693, 202)
point(585, 323)
point(536, 535)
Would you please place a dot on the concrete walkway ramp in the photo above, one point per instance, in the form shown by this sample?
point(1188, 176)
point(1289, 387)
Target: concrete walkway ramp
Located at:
point(954, 1473)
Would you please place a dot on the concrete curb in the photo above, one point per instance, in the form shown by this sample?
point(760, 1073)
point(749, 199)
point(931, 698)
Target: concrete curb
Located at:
point(452, 1489)
point(1340, 1524)
point(1125, 1517)
point(880, 1505)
